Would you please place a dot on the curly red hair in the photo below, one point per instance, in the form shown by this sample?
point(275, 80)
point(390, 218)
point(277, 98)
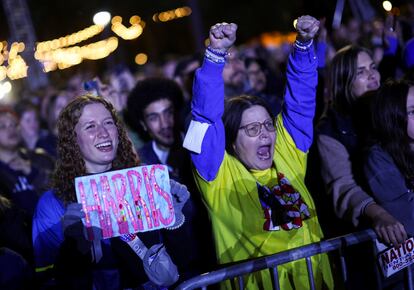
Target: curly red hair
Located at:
point(70, 163)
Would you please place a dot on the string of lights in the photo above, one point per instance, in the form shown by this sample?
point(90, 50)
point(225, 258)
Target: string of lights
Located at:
point(63, 52)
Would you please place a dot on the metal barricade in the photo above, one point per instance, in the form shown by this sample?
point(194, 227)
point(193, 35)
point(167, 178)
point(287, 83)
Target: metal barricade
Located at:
point(271, 262)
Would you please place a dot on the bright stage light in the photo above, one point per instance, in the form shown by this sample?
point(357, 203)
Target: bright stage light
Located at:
point(5, 88)
point(387, 5)
point(102, 18)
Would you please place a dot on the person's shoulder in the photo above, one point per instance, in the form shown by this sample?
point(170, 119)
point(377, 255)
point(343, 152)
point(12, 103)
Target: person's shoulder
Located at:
point(147, 155)
point(376, 148)
point(377, 152)
point(378, 159)
point(147, 147)
point(326, 122)
point(49, 200)
point(49, 208)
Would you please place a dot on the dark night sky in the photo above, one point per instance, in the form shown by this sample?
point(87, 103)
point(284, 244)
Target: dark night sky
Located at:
point(56, 18)
point(53, 19)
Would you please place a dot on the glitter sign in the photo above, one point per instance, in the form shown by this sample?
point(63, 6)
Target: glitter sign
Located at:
point(126, 201)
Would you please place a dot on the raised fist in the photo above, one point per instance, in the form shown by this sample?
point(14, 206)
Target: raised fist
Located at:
point(222, 36)
point(307, 27)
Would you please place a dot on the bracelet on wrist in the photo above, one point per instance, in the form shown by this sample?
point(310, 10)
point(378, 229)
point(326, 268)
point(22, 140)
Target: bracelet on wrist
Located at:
point(174, 227)
point(213, 57)
point(304, 46)
point(218, 52)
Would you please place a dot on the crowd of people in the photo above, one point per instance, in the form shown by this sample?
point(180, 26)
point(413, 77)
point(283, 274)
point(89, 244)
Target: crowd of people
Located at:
point(267, 148)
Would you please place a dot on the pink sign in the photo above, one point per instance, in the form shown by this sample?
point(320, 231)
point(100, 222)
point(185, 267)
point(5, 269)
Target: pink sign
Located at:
point(126, 201)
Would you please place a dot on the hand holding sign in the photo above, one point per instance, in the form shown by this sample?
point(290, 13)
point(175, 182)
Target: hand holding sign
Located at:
point(127, 201)
point(180, 196)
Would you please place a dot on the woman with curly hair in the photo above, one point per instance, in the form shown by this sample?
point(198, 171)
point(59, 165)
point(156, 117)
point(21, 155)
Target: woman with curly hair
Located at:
point(91, 140)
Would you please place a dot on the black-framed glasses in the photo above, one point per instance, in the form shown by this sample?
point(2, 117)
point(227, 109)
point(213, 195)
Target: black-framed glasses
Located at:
point(254, 129)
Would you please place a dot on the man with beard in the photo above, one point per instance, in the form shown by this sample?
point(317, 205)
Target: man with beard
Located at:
point(152, 110)
point(235, 77)
point(259, 75)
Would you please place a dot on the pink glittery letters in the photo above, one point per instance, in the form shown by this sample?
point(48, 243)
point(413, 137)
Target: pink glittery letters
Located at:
point(126, 201)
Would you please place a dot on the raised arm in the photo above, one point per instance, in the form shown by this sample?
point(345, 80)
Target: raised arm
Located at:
point(302, 78)
point(206, 137)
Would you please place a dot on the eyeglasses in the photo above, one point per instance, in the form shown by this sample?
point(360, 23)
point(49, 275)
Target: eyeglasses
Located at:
point(254, 129)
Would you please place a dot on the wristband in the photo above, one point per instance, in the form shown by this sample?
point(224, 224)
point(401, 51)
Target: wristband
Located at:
point(214, 57)
point(174, 227)
point(303, 46)
point(217, 52)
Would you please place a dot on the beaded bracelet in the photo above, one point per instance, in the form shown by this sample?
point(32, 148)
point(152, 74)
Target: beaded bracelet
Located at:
point(304, 46)
point(214, 58)
point(216, 55)
point(177, 226)
point(217, 52)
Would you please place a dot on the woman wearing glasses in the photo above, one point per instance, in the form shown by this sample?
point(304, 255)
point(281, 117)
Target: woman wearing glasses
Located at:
point(251, 181)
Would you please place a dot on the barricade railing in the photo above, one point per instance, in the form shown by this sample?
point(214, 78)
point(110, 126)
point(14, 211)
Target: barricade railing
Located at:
point(271, 262)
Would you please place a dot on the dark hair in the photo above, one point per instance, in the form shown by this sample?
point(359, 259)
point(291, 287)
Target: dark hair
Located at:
point(389, 121)
point(341, 75)
point(4, 110)
point(70, 163)
point(182, 65)
point(146, 92)
point(260, 62)
point(233, 111)
point(25, 106)
point(50, 109)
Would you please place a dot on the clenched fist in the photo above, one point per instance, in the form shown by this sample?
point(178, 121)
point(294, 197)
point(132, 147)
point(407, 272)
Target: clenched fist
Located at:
point(222, 36)
point(307, 27)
